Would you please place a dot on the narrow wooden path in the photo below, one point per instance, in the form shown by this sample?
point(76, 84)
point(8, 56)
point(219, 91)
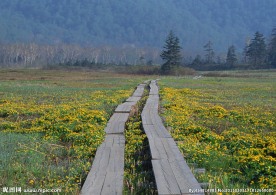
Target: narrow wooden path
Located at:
point(107, 173)
point(172, 174)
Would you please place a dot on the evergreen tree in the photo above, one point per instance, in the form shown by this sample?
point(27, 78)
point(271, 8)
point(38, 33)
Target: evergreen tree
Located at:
point(272, 49)
point(231, 56)
point(197, 61)
point(171, 54)
point(210, 54)
point(256, 50)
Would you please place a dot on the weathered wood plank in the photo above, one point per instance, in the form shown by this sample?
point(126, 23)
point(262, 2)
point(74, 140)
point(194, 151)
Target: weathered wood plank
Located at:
point(165, 180)
point(153, 88)
point(156, 131)
point(133, 99)
point(96, 177)
point(185, 178)
point(159, 148)
point(112, 140)
point(172, 174)
point(142, 84)
point(115, 172)
point(116, 123)
point(113, 184)
point(109, 161)
point(125, 107)
point(122, 117)
point(138, 92)
point(107, 172)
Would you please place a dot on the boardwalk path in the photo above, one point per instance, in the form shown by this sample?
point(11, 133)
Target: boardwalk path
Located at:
point(107, 173)
point(172, 174)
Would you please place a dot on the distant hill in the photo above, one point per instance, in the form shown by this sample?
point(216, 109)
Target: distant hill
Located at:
point(140, 22)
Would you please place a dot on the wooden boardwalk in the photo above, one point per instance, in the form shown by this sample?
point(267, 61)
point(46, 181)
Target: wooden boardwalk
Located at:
point(172, 174)
point(107, 173)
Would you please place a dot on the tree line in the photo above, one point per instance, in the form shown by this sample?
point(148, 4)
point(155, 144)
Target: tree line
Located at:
point(256, 55)
point(38, 55)
point(143, 22)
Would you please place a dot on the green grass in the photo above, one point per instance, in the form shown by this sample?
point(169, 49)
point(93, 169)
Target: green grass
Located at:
point(225, 122)
point(61, 152)
point(138, 177)
point(48, 132)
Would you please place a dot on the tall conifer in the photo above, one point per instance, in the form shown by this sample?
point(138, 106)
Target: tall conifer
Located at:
point(171, 54)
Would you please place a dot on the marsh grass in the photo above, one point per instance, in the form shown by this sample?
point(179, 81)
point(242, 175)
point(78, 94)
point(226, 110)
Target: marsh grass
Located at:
point(225, 124)
point(52, 121)
point(138, 178)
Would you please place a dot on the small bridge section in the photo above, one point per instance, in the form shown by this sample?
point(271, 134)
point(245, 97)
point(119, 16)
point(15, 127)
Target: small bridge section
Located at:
point(172, 174)
point(107, 173)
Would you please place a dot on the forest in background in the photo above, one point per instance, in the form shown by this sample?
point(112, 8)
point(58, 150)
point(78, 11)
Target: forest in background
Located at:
point(143, 23)
point(91, 33)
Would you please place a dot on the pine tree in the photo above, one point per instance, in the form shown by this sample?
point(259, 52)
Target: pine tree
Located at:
point(171, 54)
point(256, 50)
point(231, 56)
point(210, 54)
point(272, 49)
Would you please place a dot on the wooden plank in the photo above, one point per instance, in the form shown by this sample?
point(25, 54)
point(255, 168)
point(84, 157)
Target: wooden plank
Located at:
point(116, 124)
point(146, 117)
point(166, 171)
point(153, 88)
point(155, 131)
point(107, 173)
point(142, 84)
point(172, 174)
point(125, 107)
point(162, 131)
point(185, 178)
point(133, 99)
point(96, 177)
point(113, 184)
point(149, 130)
point(115, 172)
point(200, 170)
point(182, 172)
point(122, 117)
point(112, 140)
point(138, 92)
point(160, 149)
point(157, 148)
point(175, 150)
point(107, 166)
point(165, 180)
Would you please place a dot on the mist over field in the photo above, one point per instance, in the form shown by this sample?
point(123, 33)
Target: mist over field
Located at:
point(143, 23)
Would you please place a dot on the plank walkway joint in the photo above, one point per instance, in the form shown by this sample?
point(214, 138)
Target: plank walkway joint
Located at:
point(107, 172)
point(172, 174)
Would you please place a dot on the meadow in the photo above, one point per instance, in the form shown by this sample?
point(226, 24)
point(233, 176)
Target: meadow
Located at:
point(225, 123)
point(52, 121)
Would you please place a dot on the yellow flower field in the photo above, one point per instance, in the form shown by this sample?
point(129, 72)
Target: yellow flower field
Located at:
point(50, 129)
point(226, 126)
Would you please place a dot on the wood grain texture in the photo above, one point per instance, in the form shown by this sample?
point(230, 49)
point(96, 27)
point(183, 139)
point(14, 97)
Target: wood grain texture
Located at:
point(125, 107)
point(116, 124)
point(107, 172)
point(109, 161)
point(172, 174)
point(133, 99)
